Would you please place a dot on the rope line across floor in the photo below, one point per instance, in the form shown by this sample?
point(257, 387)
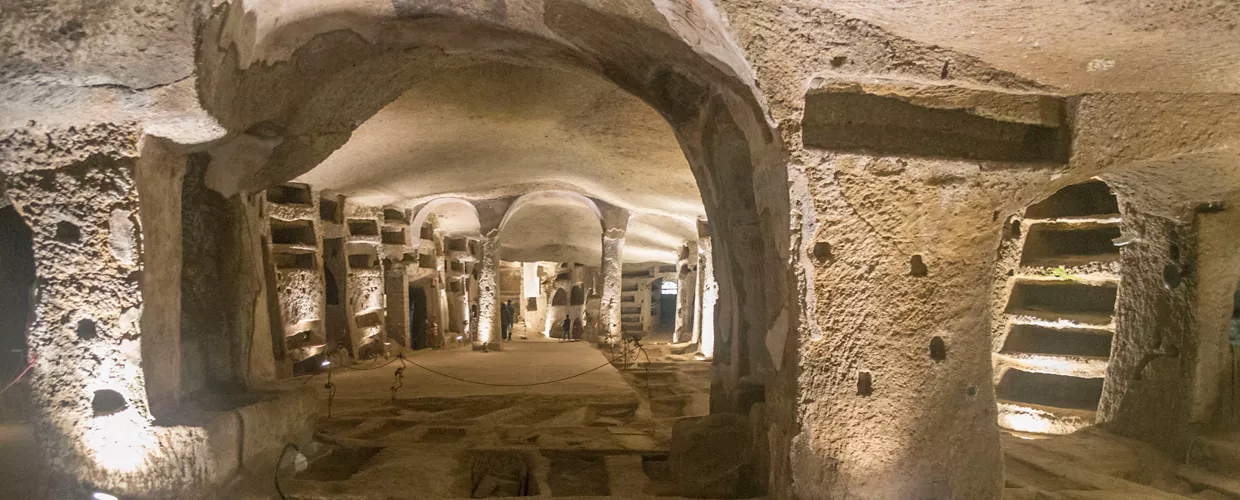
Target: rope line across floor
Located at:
point(492, 384)
point(403, 359)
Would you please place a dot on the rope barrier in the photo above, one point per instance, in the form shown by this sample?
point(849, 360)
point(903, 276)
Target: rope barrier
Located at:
point(492, 384)
point(33, 358)
point(400, 373)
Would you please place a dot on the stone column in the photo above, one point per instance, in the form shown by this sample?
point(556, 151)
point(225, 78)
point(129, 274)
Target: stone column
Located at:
point(463, 324)
point(488, 292)
point(106, 241)
point(615, 224)
point(686, 289)
point(704, 329)
point(645, 300)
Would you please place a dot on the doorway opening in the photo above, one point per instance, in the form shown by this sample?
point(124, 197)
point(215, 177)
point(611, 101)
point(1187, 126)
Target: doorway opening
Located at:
point(667, 292)
point(16, 280)
point(337, 321)
point(417, 318)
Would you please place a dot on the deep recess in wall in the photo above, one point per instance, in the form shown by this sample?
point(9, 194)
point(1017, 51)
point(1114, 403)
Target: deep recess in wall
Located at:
point(290, 194)
point(363, 227)
point(1088, 198)
point(300, 233)
point(849, 121)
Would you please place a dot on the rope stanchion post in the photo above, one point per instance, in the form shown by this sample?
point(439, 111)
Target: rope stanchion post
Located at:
point(400, 375)
point(331, 392)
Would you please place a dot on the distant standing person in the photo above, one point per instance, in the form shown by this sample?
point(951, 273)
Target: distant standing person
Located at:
point(512, 319)
point(567, 327)
point(432, 331)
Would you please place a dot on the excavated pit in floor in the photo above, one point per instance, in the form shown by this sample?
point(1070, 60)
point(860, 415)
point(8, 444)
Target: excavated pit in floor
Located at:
point(605, 434)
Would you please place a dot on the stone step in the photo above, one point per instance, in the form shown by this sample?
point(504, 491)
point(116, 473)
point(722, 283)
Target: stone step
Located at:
point(1055, 364)
point(605, 414)
point(1216, 453)
point(1039, 419)
point(669, 406)
point(1077, 221)
point(640, 374)
point(1061, 319)
point(1202, 478)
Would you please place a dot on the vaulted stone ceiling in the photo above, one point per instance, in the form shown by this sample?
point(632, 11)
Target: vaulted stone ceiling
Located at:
point(490, 130)
point(1076, 45)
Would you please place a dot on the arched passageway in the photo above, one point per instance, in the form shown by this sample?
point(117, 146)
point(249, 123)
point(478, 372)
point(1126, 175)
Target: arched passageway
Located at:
point(831, 181)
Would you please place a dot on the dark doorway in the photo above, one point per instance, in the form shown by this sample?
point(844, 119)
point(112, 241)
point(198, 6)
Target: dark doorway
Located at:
point(337, 317)
point(16, 278)
point(667, 305)
point(417, 318)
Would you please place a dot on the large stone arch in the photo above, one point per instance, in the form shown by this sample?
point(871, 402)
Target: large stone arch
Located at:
point(326, 69)
point(424, 211)
point(536, 196)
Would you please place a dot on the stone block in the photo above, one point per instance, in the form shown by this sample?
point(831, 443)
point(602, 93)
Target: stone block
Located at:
point(712, 457)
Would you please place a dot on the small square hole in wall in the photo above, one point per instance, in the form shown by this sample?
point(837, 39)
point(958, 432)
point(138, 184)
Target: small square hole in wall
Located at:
point(938, 349)
point(821, 252)
point(107, 402)
point(329, 210)
point(363, 227)
point(363, 261)
point(68, 232)
point(393, 215)
point(917, 267)
point(396, 237)
point(290, 194)
point(865, 384)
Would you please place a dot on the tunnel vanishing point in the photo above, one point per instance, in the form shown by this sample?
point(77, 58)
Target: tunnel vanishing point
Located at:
point(785, 249)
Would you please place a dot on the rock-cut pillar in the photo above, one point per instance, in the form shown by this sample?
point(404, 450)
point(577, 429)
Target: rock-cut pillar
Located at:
point(105, 224)
point(704, 328)
point(488, 292)
point(615, 225)
point(613, 251)
point(686, 290)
